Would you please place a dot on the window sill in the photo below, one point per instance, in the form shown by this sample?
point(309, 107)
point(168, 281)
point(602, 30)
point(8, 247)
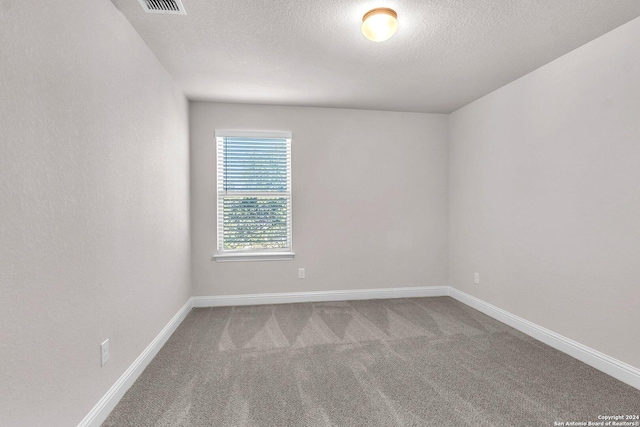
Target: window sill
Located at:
point(255, 256)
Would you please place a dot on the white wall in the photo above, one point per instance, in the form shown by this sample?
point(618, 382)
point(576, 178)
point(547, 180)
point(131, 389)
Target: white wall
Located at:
point(545, 195)
point(369, 199)
point(94, 209)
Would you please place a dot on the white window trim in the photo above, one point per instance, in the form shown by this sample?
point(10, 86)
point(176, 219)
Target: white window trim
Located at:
point(250, 255)
point(253, 134)
point(253, 256)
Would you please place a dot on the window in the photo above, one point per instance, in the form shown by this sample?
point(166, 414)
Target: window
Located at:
point(254, 196)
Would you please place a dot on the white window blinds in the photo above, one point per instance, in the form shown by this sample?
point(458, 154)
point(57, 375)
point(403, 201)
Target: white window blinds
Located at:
point(254, 192)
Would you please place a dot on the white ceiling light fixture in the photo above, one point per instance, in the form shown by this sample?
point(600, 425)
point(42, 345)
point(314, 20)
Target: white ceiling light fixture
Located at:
point(380, 24)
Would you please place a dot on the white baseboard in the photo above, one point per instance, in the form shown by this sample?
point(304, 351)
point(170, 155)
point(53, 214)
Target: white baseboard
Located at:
point(613, 367)
point(102, 409)
point(289, 297)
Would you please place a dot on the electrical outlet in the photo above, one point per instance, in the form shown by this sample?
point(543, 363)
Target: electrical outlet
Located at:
point(104, 352)
point(476, 278)
point(301, 273)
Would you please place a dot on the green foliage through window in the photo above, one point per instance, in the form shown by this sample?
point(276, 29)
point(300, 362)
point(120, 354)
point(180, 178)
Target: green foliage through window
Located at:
point(255, 223)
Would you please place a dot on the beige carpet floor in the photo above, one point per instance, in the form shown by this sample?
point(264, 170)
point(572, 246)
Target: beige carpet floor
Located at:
point(398, 362)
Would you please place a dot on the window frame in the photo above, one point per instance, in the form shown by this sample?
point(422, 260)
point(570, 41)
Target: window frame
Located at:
point(266, 254)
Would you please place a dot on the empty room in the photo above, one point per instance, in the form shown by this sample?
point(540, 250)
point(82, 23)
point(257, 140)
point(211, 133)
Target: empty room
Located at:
point(319, 213)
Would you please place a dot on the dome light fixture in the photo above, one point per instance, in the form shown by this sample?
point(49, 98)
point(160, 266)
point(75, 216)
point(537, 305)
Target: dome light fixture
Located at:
point(380, 24)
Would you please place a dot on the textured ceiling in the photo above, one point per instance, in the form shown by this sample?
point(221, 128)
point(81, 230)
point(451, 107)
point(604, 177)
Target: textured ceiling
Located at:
point(446, 53)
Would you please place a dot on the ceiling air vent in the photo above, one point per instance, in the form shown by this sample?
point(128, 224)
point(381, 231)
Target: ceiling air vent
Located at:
point(163, 6)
